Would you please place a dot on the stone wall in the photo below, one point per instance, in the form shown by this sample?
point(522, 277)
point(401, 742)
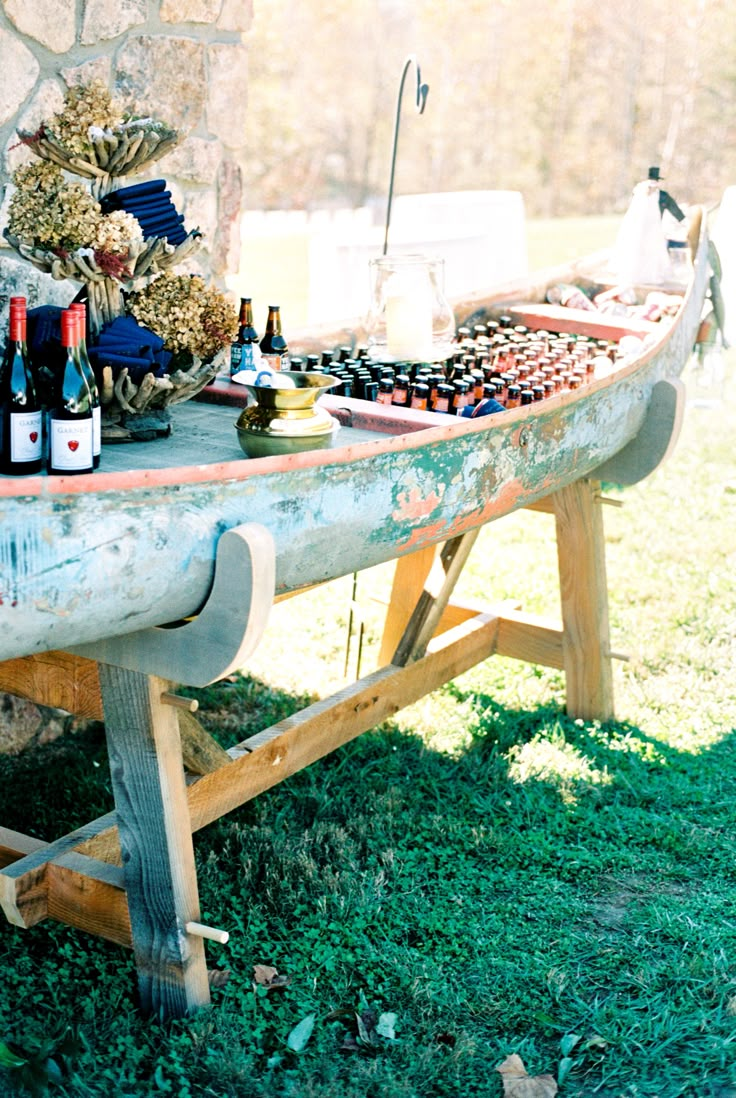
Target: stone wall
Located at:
point(183, 61)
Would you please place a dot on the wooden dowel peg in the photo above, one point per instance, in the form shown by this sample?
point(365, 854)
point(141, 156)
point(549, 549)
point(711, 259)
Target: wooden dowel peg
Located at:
point(190, 704)
point(609, 501)
point(619, 656)
point(210, 932)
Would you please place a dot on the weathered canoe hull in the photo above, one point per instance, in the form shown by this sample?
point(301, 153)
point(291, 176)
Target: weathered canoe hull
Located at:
point(90, 557)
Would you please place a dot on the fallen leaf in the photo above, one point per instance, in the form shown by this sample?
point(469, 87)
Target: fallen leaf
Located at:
point(218, 977)
point(517, 1083)
point(366, 1023)
point(370, 1031)
point(264, 974)
point(301, 1033)
point(386, 1026)
point(568, 1043)
point(267, 977)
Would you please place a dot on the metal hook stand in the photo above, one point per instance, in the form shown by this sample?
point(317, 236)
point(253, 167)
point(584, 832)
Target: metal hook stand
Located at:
point(421, 102)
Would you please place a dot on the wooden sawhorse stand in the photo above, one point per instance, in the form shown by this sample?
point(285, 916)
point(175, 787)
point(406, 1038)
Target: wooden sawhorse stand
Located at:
point(130, 875)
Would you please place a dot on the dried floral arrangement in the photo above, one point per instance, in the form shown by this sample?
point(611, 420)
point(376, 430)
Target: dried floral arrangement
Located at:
point(59, 226)
point(95, 136)
point(196, 323)
point(193, 319)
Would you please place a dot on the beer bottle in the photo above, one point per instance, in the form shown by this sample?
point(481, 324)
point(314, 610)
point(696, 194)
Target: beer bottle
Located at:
point(244, 352)
point(385, 390)
point(402, 387)
point(274, 349)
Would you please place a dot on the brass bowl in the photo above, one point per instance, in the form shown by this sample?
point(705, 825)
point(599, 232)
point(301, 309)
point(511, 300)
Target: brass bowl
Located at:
point(308, 386)
point(255, 443)
point(262, 431)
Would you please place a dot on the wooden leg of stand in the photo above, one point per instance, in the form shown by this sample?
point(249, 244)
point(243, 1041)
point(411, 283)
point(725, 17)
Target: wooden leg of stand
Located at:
point(584, 595)
point(410, 576)
point(156, 841)
point(433, 600)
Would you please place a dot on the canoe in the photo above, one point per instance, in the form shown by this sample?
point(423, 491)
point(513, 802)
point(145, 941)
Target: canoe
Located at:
point(133, 545)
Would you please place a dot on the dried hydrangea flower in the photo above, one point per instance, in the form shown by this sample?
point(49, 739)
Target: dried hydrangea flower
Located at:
point(189, 316)
point(39, 175)
point(46, 212)
point(86, 107)
point(116, 231)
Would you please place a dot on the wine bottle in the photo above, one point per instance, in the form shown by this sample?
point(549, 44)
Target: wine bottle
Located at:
point(21, 425)
point(245, 352)
point(70, 418)
point(274, 349)
point(89, 376)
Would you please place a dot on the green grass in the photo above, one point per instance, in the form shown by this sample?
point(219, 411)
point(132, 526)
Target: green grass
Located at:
point(498, 876)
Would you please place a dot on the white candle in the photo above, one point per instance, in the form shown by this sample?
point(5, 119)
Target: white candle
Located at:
point(409, 325)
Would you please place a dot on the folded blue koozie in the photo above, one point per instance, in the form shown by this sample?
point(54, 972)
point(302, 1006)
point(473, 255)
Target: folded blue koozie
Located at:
point(151, 186)
point(485, 408)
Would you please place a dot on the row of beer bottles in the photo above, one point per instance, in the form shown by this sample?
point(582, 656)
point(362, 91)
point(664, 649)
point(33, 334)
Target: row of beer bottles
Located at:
point(73, 420)
point(249, 352)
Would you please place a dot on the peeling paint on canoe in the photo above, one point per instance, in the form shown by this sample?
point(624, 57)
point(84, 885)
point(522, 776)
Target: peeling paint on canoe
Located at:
point(414, 505)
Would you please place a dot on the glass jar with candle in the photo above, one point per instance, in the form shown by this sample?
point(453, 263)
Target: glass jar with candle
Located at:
point(409, 318)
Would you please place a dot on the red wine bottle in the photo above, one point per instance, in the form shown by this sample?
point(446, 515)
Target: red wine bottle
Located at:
point(70, 418)
point(21, 412)
point(89, 376)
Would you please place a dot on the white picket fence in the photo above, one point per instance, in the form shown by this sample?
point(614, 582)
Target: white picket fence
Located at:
point(315, 264)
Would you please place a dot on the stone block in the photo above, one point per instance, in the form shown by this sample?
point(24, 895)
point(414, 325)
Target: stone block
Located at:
point(53, 23)
point(47, 100)
point(226, 242)
point(19, 277)
point(236, 15)
point(227, 67)
point(20, 720)
point(196, 160)
point(165, 73)
point(190, 11)
point(20, 71)
point(24, 725)
point(97, 68)
point(200, 212)
point(103, 20)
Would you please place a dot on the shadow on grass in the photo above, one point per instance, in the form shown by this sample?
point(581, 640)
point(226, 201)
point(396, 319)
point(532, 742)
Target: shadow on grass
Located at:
point(547, 879)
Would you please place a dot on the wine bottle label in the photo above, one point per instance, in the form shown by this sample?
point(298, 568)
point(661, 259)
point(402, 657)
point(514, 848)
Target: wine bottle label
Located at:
point(70, 443)
point(25, 436)
point(97, 430)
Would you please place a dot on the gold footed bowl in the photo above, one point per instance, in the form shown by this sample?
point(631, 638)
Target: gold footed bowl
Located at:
point(284, 419)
